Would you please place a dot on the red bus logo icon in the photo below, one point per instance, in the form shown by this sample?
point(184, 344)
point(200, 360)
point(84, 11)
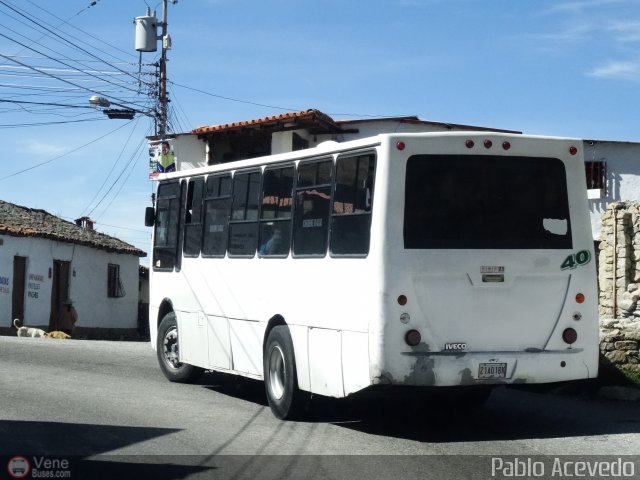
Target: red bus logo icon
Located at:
point(18, 467)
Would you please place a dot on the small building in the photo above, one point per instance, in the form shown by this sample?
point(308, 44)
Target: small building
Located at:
point(45, 260)
point(613, 175)
point(213, 144)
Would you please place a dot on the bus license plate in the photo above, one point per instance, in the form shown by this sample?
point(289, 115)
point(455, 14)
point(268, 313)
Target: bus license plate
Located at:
point(492, 370)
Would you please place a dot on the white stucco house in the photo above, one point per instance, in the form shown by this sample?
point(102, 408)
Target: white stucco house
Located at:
point(212, 144)
point(45, 260)
point(613, 175)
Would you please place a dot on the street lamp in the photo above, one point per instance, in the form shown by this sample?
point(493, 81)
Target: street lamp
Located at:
point(112, 113)
point(97, 101)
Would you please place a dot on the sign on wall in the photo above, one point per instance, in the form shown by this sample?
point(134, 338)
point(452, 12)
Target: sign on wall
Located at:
point(162, 158)
point(33, 285)
point(4, 285)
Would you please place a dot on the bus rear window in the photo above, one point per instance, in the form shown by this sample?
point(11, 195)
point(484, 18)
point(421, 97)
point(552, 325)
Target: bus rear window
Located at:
point(486, 202)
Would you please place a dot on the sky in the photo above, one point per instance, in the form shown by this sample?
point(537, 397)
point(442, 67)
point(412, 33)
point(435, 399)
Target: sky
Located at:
point(550, 67)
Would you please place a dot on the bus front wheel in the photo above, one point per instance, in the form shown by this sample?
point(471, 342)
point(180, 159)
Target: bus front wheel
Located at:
point(280, 378)
point(168, 353)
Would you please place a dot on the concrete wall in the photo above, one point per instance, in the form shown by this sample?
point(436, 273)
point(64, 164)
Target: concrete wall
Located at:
point(282, 142)
point(88, 283)
point(190, 152)
point(623, 176)
point(371, 128)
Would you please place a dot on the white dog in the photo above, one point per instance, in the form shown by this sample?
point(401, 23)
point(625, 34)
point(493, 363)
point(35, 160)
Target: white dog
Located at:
point(28, 331)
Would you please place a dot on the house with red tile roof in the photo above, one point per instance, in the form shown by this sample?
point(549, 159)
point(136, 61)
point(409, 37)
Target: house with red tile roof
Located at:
point(46, 261)
point(290, 131)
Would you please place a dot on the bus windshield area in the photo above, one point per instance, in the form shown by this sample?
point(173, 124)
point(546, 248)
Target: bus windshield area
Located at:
point(486, 202)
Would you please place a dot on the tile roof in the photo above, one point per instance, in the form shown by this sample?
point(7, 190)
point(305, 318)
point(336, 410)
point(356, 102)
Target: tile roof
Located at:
point(316, 118)
point(19, 221)
point(283, 120)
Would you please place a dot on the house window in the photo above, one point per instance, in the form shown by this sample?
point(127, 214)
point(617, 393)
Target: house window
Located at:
point(299, 143)
point(596, 176)
point(114, 282)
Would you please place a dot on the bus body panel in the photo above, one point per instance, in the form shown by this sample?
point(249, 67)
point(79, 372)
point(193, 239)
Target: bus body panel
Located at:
point(465, 321)
point(347, 326)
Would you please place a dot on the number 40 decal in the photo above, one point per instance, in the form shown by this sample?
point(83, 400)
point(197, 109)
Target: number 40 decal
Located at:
point(576, 259)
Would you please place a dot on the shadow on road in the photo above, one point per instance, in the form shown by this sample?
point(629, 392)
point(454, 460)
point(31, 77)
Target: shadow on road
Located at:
point(58, 442)
point(54, 438)
point(509, 414)
point(235, 386)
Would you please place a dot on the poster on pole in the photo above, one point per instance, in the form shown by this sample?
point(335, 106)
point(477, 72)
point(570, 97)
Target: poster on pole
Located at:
point(161, 158)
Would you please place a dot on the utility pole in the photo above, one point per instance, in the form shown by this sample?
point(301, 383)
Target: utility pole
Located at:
point(146, 41)
point(162, 84)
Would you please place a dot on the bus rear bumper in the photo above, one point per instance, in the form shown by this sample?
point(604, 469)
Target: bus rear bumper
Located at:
point(487, 368)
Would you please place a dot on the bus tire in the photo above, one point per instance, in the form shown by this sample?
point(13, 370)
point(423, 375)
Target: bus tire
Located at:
point(167, 351)
point(280, 375)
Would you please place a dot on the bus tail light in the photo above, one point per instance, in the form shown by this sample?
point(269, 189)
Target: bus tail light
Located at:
point(569, 336)
point(413, 338)
point(506, 145)
point(580, 298)
point(573, 150)
point(402, 300)
point(488, 144)
point(469, 143)
point(400, 145)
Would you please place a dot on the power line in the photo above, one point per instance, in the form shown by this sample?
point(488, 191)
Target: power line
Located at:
point(248, 102)
point(65, 40)
point(132, 164)
point(48, 74)
point(233, 99)
point(64, 154)
point(47, 104)
point(42, 124)
point(132, 158)
point(113, 166)
point(66, 22)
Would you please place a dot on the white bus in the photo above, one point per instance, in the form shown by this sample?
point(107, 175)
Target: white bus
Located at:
point(400, 260)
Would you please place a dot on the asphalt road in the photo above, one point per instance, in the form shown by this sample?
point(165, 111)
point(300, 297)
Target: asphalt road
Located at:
point(107, 408)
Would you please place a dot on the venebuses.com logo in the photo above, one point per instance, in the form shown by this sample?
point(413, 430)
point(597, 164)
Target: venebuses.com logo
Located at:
point(18, 467)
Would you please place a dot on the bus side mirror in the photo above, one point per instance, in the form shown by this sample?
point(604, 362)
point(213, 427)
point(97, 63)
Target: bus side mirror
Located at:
point(149, 217)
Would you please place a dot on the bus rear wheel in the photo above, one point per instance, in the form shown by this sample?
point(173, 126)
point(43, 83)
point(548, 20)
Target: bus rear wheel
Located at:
point(280, 377)
point(168, 353)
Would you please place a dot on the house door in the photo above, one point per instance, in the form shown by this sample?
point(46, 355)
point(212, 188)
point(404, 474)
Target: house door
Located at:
point(59, 291)
point(17, 297)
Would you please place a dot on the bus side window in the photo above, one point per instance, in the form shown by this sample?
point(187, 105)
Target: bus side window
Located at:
point(166, 227)
point(352, 200)
point(193, 218)
point(216, 215)
point(243, 224)
point(275, 213)
point(311, 209)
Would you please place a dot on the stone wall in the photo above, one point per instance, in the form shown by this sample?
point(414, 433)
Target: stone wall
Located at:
point(619, 339)
point(619, 285)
